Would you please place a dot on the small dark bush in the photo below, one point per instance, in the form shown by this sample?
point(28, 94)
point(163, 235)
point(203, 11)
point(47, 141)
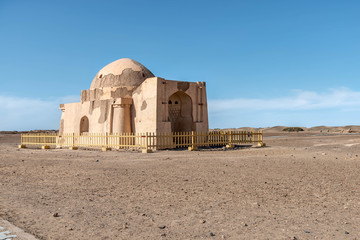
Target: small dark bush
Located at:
point(293, 129)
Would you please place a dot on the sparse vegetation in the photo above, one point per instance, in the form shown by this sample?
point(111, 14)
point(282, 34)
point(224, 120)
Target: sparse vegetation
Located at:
point(293, 129)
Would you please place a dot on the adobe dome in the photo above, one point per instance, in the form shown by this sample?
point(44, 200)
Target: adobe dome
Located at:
point(124, 72)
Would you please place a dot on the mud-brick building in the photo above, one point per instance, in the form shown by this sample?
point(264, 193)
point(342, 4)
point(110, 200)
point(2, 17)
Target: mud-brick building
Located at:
point(125, 97)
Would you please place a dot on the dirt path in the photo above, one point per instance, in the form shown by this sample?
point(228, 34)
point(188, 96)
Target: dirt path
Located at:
point(301, 187)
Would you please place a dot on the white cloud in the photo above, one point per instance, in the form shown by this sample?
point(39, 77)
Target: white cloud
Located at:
point(26, 113)
point(300, 100)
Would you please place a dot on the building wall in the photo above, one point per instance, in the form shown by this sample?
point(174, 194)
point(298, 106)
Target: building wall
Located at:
point(166, 88)
point(98, 113)
point(149, 107)
point(145, 107)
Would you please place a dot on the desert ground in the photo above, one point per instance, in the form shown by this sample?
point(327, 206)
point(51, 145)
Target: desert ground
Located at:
point(303, 185)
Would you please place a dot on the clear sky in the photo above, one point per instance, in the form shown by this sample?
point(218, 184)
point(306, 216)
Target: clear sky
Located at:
point(265, 62)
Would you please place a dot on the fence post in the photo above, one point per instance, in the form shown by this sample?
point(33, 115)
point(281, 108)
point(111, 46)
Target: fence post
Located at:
point(22, 145)
point(261, 139)
point(45, 146)
point(230, 145)
point(193, 143)
point(147, 149)
point(106, 148)
point(72, 147)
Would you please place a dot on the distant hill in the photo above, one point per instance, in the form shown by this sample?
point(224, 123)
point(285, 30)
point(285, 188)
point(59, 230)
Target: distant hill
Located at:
point(30, 131)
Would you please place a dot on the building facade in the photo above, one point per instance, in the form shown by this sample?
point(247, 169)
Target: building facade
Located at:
point(125, 97)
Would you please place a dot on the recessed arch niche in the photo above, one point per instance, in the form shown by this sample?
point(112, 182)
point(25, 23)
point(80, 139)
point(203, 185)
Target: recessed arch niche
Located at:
point(180, 112)
point(84, 125)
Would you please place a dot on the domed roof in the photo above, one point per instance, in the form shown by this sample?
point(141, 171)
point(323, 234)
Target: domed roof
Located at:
point(124, 72)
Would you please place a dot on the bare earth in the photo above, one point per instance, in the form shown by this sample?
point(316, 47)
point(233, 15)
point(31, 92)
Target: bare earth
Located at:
point(302, 186)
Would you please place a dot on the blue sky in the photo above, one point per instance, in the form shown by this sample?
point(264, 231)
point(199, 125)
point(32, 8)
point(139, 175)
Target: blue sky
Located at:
point(266, 62)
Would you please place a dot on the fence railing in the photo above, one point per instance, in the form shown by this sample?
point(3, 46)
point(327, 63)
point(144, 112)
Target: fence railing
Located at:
point(146, 141)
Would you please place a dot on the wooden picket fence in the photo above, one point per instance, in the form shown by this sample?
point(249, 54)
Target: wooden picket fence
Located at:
point(191, 140)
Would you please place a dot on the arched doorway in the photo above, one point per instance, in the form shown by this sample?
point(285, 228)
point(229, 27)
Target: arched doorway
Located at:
point(84, 125)
point(180, 112)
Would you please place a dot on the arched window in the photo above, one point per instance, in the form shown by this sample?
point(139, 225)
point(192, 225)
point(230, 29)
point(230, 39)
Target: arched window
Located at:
point(84, 125)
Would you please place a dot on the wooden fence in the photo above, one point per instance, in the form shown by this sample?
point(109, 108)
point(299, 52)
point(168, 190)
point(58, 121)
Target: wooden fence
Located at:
point(146, 141)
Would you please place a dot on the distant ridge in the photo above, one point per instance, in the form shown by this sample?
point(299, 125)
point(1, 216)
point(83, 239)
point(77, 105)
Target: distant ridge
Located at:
point(30, 131)
point(334, 129)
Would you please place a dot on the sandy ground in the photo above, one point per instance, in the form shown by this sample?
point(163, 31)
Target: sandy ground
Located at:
point(10, 232)
point(302, 186)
